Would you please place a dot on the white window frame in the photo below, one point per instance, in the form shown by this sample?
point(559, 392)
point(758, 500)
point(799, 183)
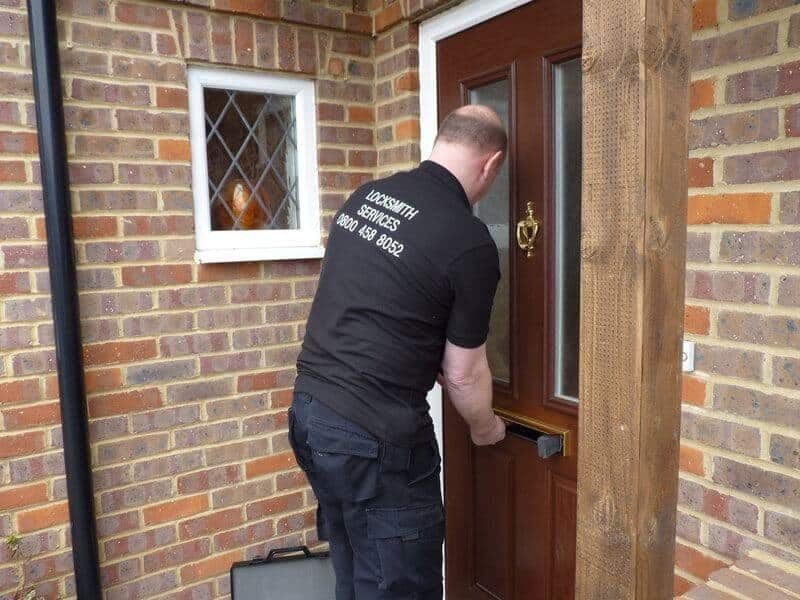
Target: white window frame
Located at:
point(237, 246)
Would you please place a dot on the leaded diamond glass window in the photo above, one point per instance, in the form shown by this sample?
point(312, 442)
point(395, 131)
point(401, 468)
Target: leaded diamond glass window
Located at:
point(252, 165)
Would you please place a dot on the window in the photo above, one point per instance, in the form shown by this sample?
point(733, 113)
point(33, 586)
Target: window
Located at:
point(254, 166)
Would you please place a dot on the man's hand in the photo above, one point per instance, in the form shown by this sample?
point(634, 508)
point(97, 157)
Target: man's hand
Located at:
point(489, 433)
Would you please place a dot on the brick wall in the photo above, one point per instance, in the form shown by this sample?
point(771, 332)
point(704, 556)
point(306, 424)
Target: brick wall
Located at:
point(740, 480)
point(188, 367)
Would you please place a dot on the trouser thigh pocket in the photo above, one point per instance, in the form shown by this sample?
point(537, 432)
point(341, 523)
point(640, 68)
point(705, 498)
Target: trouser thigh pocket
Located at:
point(408, 542)
point(345, 461)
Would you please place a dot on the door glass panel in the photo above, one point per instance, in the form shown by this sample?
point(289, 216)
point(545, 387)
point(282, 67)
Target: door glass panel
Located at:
point(494, 211)
point(567, 91)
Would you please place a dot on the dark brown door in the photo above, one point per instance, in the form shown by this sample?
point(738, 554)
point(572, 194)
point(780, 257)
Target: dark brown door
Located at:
point(510, 513)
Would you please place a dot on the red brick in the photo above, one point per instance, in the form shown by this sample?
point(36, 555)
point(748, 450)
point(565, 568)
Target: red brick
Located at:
point(302, 11)
point(42, 518)
point(124, 403)
point(21, 444)
point(94, 36)
point(751, 208)
point(172, 97)
point(173, 510)
point(14, 283)
point(388, 16)
point(265, 34)
point(701, 172)
point(407, 82)
point(307, 51)
point(137, 14)
point(84, 227)
point(178, 150)
point(272, 506)
point(23, 496)
point(287, 48)
point(693, 391)
point(260, 8)
point(32, 416)
point(208, 479)
point(335, 67)
point(211, 523)
point(793, 121)
point(228, 271)
point(681, 585)
point(12, 171)
point(731, 510)
point(704, 14)
point(244, 41)
point(119, 352)
point(331, 157)
point(156, 275)
point(270, 464)
point(696, 320)
point(204, 569)
point(691, 460)
point(694, 562)
point(359, 23)
point(180, 554)
point(101, 380)
point(22, 391)
point(360, 114)
point(330, 112)
point(18, 142)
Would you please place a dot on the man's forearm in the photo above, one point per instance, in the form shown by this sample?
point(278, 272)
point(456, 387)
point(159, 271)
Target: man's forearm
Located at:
point(472, 397)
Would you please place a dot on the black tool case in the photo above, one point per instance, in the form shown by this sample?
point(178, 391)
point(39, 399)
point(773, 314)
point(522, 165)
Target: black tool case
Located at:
point(285, 574)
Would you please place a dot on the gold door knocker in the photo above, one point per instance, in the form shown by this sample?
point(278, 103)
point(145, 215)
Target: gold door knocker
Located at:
point(527, 230)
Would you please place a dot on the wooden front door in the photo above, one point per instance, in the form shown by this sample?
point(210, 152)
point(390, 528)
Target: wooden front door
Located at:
point(510, 513)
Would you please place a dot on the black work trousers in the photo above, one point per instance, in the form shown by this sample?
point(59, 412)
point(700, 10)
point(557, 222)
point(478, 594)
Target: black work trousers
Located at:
point(380, 505)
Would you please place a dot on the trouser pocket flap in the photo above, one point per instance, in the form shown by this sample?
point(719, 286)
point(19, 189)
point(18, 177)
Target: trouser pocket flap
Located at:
point(406, 523)
point(331, 439)
point(345, 462)
point(408, 542)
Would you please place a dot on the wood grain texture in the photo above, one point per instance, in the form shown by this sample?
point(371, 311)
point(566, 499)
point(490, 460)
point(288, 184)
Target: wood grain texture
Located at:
point(636, 72)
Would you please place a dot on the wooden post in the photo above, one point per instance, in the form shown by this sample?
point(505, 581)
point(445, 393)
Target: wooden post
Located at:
point(636, 72)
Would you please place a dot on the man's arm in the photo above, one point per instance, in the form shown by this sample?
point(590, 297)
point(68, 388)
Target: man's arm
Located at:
point(469, 385)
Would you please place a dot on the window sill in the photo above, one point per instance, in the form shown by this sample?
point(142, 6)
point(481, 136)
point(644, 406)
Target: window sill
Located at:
point(258, 254)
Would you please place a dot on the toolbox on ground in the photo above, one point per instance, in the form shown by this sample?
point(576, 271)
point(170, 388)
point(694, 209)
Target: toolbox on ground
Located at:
point(285, 574)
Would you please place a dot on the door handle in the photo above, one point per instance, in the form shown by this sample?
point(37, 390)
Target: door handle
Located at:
point(527, 231)
point(550, 439)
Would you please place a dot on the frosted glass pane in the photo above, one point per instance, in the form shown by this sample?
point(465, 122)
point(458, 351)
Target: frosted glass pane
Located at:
point(494, 211)
point(567, 91)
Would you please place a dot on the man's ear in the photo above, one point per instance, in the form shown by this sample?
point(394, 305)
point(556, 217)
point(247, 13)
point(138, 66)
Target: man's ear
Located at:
point(493, 164)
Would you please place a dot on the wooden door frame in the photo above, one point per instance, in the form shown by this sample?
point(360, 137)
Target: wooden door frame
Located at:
point(636, 73)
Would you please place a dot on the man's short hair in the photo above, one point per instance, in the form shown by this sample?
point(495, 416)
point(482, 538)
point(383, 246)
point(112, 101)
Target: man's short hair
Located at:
point(482, 132)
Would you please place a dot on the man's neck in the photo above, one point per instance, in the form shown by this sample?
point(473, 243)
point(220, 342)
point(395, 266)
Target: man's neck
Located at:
point(457, 167)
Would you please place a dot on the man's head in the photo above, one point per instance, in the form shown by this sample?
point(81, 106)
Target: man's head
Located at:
point(472, 144)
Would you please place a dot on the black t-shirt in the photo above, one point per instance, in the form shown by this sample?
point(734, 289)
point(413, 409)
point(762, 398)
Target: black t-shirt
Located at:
point(407, 266)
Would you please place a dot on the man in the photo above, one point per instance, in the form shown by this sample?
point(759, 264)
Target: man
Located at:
point(405, 293)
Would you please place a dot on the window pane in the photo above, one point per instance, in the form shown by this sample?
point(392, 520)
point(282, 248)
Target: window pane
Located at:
point(567, 102)
point(252, 160)
point(494, 211)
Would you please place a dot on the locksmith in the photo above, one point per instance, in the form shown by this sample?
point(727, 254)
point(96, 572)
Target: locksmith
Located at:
point(405, 295)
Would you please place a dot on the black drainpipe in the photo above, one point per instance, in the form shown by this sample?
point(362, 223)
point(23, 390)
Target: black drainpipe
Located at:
point(64, 294)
